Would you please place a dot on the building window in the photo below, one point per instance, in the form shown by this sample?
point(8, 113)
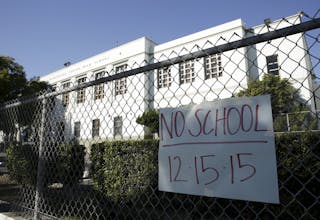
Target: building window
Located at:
point(272, 64)
point(65, 96)
point(121, 84)
point(186, 72)
point(121, 68)
point(117, 126)
point(77, 129)
point(95, 128)
point(81, 93)
point(99, 89)
point(212, 66)
point(164, 77)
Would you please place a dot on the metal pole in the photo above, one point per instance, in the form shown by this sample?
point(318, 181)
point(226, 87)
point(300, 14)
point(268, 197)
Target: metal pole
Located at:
point(288, 121)
point(40, 160)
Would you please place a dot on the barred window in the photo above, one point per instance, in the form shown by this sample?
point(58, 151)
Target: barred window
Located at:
point(81, 93)
point(95, 127)
point(272, 64)
point(120, 84)
point(77, 129)
point(121, 68)
point(99, 89)
point(117, 126)
point(65, 96)
point(213, 66)
point(186, 72)
point(164, 77)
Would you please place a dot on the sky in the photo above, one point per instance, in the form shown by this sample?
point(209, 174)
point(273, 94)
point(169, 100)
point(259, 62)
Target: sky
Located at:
point(42, 35)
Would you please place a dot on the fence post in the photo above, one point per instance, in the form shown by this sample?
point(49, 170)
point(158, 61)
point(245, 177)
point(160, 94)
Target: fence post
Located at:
point(288, 122)
point(40, 160)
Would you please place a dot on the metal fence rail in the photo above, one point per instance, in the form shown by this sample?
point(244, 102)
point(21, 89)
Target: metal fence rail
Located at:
point(79, 152)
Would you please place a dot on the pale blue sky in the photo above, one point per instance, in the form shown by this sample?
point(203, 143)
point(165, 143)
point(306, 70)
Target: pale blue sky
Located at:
point(43, 34)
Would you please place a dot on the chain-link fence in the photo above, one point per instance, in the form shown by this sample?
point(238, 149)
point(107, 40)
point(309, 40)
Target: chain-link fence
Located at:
point(88, 149)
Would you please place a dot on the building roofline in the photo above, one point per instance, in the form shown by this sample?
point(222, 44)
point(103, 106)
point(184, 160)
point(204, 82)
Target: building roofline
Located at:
point(201, 34)
point(69, 68)
point(299, 14)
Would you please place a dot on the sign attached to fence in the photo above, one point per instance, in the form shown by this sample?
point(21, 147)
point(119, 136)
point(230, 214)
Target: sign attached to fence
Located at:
point(223, 148)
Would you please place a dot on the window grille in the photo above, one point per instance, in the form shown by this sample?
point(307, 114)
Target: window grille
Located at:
point(164, 77)
point(81, 94)
point(186, 72)
point(121, 84)
point(99, 89)
point(213, 66)
point(65, 96)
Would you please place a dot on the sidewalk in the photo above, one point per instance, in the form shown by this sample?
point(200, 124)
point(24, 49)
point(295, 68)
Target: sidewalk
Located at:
point(10, 216)
point(5, 213)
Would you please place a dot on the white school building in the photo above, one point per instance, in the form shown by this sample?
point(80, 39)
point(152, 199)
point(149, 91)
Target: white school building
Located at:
point(109, 110)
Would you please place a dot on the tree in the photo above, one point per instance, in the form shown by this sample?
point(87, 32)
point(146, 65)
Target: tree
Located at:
point(12, 79)
point(14, 85)
point(284, 97)
point(13, 82)
point(150, 119)
point(286, 103)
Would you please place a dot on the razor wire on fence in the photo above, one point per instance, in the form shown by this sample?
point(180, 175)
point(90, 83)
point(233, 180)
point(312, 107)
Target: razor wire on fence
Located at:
point(88, 149)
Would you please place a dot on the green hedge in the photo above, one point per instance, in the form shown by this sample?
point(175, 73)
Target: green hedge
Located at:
point(125, 170)
point(298, 154)
point(60, 164)
point(121, 170)
point(22, 163)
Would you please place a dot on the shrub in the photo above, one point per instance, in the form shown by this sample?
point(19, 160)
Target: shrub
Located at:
point(60, 164)
point(150, 119)
point(298, 154)
point(284, 99)
point(22, 163)
point(121, 170)
point(298, 168)
point(68, 163)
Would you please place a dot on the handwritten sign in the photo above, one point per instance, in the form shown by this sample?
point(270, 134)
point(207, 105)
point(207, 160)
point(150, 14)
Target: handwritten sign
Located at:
point(221, 149)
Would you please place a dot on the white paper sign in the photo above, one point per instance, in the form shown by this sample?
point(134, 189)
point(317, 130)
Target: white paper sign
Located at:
point(223, 148)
